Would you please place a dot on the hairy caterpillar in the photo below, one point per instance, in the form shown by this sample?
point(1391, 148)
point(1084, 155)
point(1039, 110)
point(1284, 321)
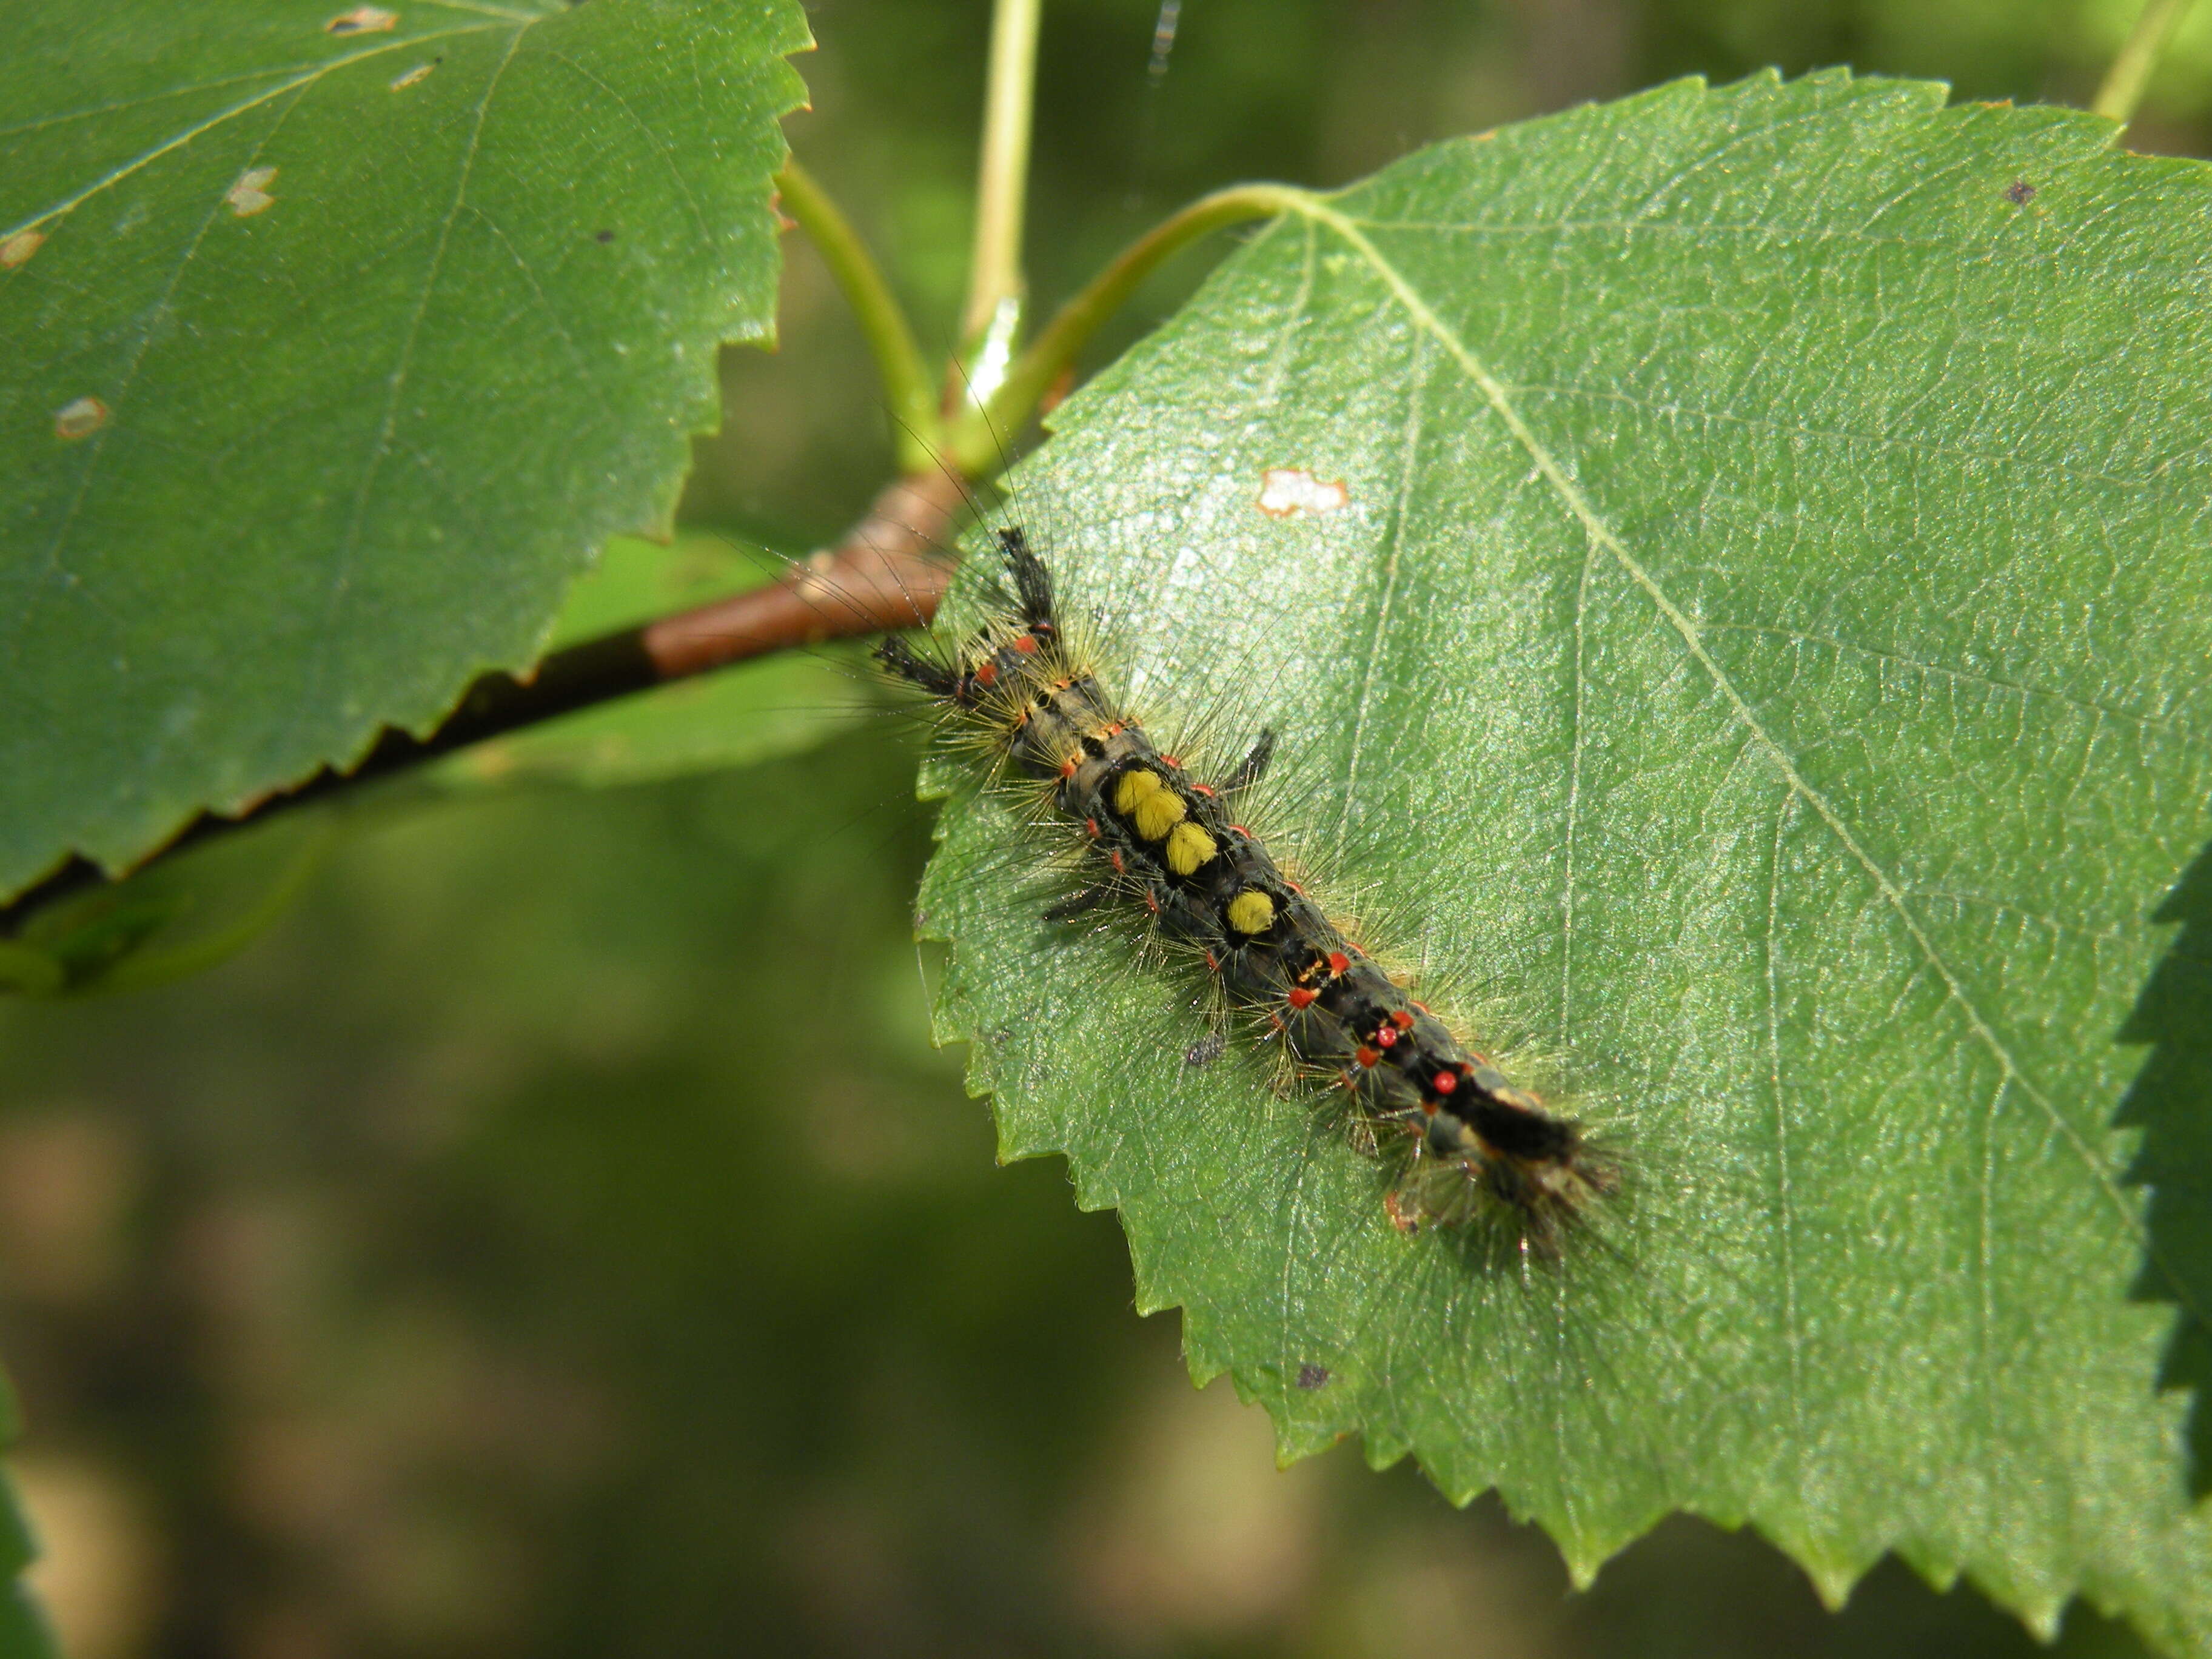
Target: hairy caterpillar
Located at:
point(1155, 839)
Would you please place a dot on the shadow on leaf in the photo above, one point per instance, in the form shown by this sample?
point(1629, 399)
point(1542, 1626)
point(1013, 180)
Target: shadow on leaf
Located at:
point(2171, 1102)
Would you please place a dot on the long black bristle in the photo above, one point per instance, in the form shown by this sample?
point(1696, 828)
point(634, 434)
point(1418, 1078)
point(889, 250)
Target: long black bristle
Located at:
point(1032, 582)
point(903, 661)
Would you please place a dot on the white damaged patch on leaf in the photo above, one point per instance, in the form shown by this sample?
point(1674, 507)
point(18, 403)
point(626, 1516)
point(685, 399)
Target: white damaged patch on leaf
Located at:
point(363, 19)
point(1287, 491)
point(250, 195)
point(80, 419)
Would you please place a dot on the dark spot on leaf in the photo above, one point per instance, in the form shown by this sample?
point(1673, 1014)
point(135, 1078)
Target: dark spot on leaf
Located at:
point(2019, 192)
point(604, 236)
point(1206, 1050)
point(1312, 1376)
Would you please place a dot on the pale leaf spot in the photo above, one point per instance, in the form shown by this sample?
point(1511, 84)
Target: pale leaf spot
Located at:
point(250, 195)
point(80, 419)
point(18, 249)
point(363, 19)
point(1288, 490)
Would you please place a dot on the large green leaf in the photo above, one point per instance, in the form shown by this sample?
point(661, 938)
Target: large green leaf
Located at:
point(334, 339)
point(1762, 649)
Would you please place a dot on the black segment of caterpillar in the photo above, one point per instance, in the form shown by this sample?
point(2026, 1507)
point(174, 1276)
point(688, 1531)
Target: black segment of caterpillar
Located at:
point(1153, 834)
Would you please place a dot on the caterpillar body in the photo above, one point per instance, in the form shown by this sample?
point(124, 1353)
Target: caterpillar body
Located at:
point(1157, 838)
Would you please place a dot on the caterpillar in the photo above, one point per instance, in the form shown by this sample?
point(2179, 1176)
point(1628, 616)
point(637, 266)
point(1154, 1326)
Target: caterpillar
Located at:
point(1159, 842)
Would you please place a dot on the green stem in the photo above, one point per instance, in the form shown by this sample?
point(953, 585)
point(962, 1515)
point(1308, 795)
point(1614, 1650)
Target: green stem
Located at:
point(974, 440)
point(995, 267)
point(898, 360)
point(2123, 84)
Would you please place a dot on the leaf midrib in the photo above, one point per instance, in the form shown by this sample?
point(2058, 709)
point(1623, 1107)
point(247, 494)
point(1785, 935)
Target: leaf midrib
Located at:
point(178, 140)
point(1599, 535)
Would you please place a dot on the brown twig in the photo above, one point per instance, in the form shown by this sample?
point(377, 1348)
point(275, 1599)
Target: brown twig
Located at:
point(886, 574)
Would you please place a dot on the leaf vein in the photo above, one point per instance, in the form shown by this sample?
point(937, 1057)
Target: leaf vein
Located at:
point(153, 317)
point(1674, 409)
point(348, 544)
point(1944, 670)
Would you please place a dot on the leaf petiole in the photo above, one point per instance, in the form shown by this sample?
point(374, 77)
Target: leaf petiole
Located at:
point(974, 439)
point(907, 383)
point(992, 319)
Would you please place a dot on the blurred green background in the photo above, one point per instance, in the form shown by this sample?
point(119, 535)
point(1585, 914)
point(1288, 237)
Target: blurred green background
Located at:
point(558, 1237)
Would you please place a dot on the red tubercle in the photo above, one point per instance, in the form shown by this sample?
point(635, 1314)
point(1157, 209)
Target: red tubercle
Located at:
point(1302, 996)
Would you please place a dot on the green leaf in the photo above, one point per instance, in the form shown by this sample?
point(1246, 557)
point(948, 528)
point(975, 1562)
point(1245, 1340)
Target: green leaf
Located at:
point(1762, 650)
point(294, 453)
